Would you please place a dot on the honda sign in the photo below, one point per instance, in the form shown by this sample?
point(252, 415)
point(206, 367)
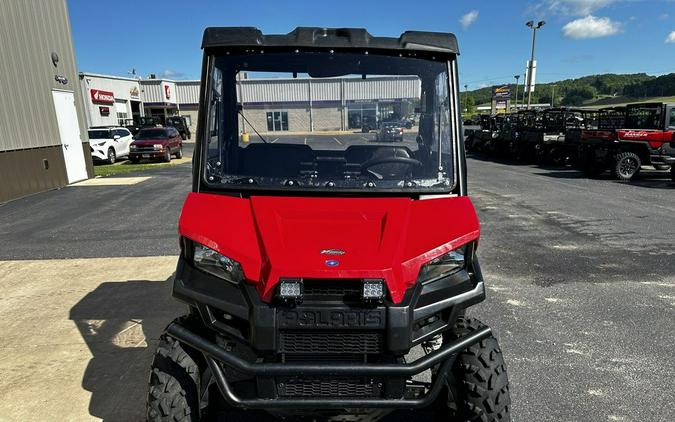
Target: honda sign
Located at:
point(104, 97)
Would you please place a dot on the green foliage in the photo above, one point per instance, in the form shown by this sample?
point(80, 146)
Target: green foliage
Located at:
point(581, 90)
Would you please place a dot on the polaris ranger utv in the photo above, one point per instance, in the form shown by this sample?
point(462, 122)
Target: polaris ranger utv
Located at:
point(641, 134)
point(327, 275)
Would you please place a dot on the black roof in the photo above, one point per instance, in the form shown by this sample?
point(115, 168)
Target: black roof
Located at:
point(329, 38)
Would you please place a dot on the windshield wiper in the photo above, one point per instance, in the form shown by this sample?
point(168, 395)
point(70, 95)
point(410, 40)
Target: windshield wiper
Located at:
point(252, 127)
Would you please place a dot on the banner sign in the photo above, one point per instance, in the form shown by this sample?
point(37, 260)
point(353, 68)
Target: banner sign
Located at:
point(501, 92)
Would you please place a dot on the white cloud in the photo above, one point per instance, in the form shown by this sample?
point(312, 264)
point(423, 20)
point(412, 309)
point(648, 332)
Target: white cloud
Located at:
point(591, 27)
point(670, 39)
point(664, 16)
point(171, 74)
point(577, 7)
point(468, 19)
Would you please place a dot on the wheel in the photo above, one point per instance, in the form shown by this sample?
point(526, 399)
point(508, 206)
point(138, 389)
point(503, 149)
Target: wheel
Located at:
point(167, 156)
point(479, 387)
point(672, 173)
point(179, 154)
point(626, 165)
point(662, 166)
point(112, 157)
point(183, 136)
point(173, 392)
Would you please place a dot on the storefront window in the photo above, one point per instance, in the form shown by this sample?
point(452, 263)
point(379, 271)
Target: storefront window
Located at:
point(277, 120)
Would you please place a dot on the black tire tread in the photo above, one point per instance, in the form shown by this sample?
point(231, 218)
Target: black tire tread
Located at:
point(480, 371)
point(173, 387)
point(617, 161)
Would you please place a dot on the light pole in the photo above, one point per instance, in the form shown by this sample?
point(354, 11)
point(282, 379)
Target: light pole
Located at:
point(466, 97)
point(530, 69)
point(517, 77)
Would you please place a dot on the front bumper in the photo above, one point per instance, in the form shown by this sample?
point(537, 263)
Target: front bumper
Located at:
point(235, 312)
point(98, 154)
point(216, 355)
point(155, 154)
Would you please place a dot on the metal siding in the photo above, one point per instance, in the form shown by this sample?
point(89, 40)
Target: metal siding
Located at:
point(151, 91)
point(187, 92)
point(297, 90)
point(29, 31)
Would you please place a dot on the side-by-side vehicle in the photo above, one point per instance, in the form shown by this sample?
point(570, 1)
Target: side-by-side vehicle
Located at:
point(327, 275)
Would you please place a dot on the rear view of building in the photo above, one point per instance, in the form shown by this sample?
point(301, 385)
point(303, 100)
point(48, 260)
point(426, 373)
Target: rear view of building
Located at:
point(43, 133)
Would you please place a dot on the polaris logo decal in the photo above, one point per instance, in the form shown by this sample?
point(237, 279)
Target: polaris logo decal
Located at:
point(332, 263)
point(332, 252)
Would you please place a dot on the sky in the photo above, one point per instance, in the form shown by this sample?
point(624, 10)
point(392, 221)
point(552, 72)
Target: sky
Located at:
point(580, 37)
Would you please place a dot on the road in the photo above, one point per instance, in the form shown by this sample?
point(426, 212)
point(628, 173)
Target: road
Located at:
point(580, 275)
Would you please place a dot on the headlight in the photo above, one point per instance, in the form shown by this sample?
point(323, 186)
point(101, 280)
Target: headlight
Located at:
point(133, 147)
point(158, 147)
point(214, 263)
point(444, 265)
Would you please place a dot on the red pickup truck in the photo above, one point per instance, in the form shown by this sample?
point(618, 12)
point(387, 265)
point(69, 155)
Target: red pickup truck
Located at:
point(156, 143)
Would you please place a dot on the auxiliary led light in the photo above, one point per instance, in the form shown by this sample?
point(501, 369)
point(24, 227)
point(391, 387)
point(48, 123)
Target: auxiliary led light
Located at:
point(290, 289)
point(373, 289)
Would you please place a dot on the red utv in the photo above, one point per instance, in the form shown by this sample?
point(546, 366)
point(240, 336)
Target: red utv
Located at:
point(595, 142)
point(327, 275)
point(644, 137)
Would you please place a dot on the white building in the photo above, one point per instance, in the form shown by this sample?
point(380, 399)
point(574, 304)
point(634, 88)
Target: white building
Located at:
point(116, 100)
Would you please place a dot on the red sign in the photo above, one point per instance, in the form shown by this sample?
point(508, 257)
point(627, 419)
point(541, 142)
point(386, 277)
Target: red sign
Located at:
point(167, 92)
point(105, 97)
point(105, 111)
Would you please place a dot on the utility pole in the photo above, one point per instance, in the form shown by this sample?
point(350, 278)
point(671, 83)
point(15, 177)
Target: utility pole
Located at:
point(531, 67)
point(466, 98)
point(517, 77)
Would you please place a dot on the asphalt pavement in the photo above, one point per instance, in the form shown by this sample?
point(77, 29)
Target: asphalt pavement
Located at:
point(580, 275)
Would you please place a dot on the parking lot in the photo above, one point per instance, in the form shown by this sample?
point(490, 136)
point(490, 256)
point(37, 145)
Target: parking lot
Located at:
point(580, 274)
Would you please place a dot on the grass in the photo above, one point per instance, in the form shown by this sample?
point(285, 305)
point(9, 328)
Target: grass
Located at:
point(126, 167)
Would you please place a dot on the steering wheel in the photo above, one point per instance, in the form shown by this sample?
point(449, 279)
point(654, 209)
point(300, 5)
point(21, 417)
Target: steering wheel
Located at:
point(365, 167)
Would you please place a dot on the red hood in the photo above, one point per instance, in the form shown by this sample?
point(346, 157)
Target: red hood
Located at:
point(275, 237)
point(149, 142)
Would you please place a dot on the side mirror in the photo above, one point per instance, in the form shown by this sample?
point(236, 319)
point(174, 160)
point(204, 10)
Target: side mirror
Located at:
point(116, 137)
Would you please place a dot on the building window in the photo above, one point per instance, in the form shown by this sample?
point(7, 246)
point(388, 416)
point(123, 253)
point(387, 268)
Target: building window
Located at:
point(122, 119)
point(277, 120)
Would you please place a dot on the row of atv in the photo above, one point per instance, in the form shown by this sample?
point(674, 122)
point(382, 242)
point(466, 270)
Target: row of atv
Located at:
point(616, 139)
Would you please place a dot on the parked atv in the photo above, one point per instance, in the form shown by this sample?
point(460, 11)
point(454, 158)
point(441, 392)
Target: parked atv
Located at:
point(322, 274)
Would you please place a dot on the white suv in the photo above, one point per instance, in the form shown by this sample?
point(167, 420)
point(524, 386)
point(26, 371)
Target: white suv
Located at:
point(109, 142)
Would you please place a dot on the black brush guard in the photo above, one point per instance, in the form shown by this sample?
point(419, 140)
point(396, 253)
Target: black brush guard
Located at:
point(214, 354)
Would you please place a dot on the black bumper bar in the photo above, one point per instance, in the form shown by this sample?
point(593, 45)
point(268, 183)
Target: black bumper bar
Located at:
point(215, 353)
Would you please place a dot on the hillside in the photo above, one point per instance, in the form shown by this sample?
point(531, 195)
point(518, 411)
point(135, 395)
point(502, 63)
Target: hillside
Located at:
point(591, 90)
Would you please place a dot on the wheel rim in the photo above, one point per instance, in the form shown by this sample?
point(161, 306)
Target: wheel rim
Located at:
point(111, 156)
point(628, 166)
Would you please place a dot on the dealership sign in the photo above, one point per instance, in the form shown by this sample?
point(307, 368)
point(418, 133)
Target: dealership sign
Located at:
point(501, 92)
point(105, 97)
point(167, 92)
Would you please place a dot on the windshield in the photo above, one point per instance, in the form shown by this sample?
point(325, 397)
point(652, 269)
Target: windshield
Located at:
point(99, 134)
point(644, 117)
point(152, 134)
point(317, 121)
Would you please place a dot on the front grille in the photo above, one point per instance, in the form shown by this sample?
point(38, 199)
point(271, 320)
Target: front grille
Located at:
point(341, 289)
point(311, 341)
point(345, 387)
point(145, 149)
